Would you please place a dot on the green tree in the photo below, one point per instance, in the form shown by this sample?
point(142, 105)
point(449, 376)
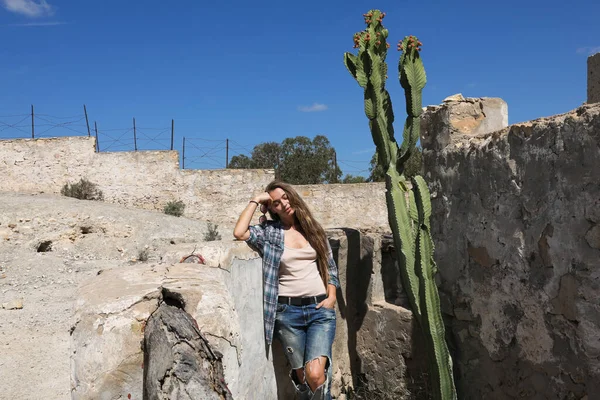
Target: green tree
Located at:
point(297, 160)
point(240, 162)
point(354, 179)
point(412, 167)
point(264, 155)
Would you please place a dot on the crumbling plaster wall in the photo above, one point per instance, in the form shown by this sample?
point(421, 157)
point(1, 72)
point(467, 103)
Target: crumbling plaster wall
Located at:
point(516, 223)
point(150, 179)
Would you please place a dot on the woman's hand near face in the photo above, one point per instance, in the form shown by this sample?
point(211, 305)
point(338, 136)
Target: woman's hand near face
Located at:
point(241, 231)
point(263, 198)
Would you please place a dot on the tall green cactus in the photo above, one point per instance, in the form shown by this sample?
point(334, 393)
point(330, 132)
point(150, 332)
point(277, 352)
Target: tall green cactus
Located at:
point(409, 206)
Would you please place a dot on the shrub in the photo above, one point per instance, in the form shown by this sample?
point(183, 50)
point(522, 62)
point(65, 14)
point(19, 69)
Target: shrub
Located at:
point(82, 190)
point(212, 232)
point(175, 208)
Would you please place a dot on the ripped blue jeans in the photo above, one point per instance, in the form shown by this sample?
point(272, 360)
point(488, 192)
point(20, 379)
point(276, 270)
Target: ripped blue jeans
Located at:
point(306, 334)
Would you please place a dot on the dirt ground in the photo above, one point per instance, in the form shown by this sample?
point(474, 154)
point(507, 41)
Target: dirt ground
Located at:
point(48, 246)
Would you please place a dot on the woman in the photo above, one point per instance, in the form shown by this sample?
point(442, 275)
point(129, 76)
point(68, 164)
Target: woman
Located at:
point(300, 281)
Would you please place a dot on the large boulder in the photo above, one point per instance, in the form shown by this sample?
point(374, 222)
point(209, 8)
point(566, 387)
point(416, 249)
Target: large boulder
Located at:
point(113, 308)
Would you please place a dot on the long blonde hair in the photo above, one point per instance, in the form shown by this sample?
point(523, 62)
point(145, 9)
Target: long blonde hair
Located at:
point(310, 226)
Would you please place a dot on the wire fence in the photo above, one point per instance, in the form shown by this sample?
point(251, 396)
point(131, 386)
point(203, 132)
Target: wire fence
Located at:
point(194, 152)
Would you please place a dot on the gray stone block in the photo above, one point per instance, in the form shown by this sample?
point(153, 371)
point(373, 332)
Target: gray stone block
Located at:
point(458, 117)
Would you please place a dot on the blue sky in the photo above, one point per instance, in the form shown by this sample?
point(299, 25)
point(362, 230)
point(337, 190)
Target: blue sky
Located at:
point(262, 71)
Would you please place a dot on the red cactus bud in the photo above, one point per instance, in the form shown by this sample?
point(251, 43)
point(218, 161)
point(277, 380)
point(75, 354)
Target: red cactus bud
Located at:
point(419, 44)
point(387, 45)
point(378, 43)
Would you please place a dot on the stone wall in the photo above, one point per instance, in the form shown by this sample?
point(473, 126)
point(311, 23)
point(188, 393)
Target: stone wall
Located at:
point(516, 223)
point(150, 179)
point(593, 79)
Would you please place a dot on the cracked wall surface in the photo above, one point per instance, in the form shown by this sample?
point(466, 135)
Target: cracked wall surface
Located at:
point(516, 223)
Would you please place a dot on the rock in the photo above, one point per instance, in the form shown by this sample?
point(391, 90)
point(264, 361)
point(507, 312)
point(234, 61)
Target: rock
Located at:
point(113, 308)
point(15, 304)
point(179, 362)
point(391, 360)
point(593, 237)
point(442, 125)
point(454, 97)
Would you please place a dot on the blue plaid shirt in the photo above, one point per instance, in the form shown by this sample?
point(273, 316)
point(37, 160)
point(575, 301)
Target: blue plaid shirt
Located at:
point(267, 240)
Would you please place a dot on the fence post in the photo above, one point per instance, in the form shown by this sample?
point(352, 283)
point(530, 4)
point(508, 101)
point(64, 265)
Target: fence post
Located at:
point(172, 132)
point(335, 167)
point(87, 122)
point(134, 137)
point(32, 123)
point(226, 153)
point(97, 143)
point(183, 154)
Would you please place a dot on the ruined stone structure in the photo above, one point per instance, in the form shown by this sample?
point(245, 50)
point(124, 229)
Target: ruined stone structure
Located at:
point(151, 179)
point(593, 71)
point(374, 341)
point(516, 223)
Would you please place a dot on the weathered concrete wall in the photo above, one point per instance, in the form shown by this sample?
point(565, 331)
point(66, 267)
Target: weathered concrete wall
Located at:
point(377, 351)
point(593, 78)
point(145, 179)
point(460, 116)
point(150, 179)
point(516, 223)
point(359, 205)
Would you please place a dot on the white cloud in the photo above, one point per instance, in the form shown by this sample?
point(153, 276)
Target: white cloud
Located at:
point(588, 50)
point(29, 8)
point(314, 108)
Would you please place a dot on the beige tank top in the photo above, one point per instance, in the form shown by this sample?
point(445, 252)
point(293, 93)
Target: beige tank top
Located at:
point(298, 273)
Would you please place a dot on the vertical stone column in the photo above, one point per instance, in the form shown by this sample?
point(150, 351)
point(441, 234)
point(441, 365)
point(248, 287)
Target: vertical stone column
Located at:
point(593, 78)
